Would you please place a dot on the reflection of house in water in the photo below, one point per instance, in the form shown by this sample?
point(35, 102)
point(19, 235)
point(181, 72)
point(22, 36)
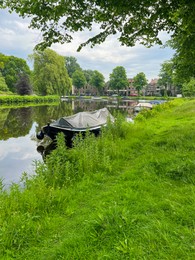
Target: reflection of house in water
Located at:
point(124, 105)
point(80, 105)
point(88, 105)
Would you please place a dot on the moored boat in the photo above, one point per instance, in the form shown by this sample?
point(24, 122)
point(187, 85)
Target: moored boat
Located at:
point(141, 106)
point(78, 123)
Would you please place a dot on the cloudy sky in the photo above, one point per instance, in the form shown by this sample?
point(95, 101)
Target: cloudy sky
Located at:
point(18, 40)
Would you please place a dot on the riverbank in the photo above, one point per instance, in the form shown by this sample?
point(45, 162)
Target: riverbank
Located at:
point(127, 195)
point(15, 99)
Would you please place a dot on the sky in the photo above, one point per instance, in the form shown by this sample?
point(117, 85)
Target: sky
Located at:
point(18, 40)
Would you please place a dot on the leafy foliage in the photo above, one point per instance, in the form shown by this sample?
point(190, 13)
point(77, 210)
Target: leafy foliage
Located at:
point(88, 75)
point(12, 67)
point(183, 42)
point(97, 80)
point(118, 78)
point(188, 89)
point(139, 20)
point(166, 75)
point(3, 85)
point(71, 65)
point(50, 75)
point(78, 79)
point(133, 21)
point(139, 81)
point(23, 85)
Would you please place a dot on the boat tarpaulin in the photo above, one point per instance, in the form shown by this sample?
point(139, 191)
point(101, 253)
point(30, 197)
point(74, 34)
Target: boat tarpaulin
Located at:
point(84, 120)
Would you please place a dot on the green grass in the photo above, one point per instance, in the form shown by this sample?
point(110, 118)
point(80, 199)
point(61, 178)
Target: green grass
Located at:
point(127, 195)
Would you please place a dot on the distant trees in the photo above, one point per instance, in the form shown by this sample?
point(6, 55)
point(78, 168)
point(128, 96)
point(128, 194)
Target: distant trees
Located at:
point(97, 80)
point(3, 85)
point(88, 75)
point(132, 21)
point(78, 79)
point(139, 82)
point(23, 86)
point(118, 78)
point(11, 67)
point(188, 88)
point(50, 75)
point(71, 65)
point(166, 76)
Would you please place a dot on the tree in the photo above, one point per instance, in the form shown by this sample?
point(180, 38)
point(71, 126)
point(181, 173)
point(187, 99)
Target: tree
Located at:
point(88, 75)
point(166, 76)
point(50, 75)
point(3, 85)
point(23, 85)
point(97, 80)
point(11, 68)
point(71, 65)
point(78, 79)
point(133, 21)
point(188, 89)
point(139, 20)
point(118, 78)
point(139, 81)
point(183, 42)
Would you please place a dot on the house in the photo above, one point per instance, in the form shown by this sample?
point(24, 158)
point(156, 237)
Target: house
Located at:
point(152, 89)
point(132, 91)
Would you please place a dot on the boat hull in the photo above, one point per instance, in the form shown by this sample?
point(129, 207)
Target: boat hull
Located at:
point(52, 133)
point(80, 123)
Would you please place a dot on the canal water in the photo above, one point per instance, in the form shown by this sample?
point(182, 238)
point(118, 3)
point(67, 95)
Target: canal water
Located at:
point(18, 128)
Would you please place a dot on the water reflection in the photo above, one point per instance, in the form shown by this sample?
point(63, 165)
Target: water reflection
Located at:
point(16, 156)
point(18, 128)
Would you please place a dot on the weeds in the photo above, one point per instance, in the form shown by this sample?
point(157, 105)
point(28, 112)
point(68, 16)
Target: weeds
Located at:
point(127, 194)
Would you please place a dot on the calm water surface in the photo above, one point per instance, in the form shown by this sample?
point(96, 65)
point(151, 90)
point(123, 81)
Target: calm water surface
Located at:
point(18, 128)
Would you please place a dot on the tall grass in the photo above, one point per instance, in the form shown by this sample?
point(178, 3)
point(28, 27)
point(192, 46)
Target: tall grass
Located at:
point(128, 194)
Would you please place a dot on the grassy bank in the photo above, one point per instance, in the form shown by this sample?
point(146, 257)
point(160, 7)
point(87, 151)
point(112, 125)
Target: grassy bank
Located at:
point(15, 99)
point(127, 195)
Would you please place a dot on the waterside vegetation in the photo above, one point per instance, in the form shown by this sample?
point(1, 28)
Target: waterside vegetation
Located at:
point(14, 99)
point(128, 194)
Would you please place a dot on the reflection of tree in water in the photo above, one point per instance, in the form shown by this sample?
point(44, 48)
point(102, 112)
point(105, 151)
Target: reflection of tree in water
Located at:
point(15, 122)
point(3, 117)
point(18, 123)
point(45, 114)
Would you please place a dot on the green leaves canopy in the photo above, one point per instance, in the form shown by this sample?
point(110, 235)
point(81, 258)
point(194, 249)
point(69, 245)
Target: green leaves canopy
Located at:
point(50, 75)
point(71, 65)
point(3, 85)
point(118, 78)
point(188, 89)
point(11, 67)
point(135, 20)
point(97, 80)
point(166, 74)
point(139, 81)
point(78, 79)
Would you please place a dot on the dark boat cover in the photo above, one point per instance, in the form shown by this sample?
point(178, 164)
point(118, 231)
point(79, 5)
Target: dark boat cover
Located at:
point(84, 120)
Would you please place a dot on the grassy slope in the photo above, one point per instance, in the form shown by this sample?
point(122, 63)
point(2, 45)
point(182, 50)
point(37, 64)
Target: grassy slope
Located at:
point(139, 205)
